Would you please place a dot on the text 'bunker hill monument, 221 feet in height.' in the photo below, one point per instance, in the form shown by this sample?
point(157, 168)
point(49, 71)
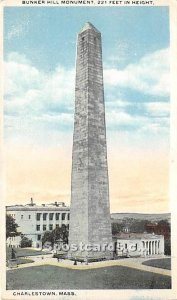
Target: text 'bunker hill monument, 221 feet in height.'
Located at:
point(90, 212)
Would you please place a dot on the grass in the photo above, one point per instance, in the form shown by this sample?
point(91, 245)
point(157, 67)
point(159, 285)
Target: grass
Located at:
point(21, 261)
point(164, 263)
point(117, 277)
point(23, 252)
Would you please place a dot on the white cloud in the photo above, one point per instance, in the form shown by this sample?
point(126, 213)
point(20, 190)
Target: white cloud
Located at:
point(20, 77)
point(62, 118)
point(117, 103)
point(31, 91)
point(158, 108)
point(37, 102)
point(115, 118)
point(153, 124)
point(150, 75)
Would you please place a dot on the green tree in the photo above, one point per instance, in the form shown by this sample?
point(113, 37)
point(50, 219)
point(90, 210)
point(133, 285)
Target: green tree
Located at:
point(116, 228)
point(25, 242)
point(167, 247)
point(48, 237)
point(11, 227)
point(138, 226)
point(59, 233)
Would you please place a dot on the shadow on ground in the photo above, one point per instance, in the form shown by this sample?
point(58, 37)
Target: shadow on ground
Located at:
point(164, 263)
point(117, 277)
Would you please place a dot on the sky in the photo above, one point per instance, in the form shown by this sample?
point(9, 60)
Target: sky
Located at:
point(39, 55)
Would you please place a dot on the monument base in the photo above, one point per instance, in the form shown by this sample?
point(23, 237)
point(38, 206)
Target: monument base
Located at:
point(12, 263)
point(87, 256)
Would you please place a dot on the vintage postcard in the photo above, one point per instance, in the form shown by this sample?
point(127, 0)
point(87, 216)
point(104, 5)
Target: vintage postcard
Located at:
point(89, 149)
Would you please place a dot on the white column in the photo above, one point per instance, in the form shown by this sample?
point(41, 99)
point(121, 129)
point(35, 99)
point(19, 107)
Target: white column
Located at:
point(148, 247)
point(158, 247)
point(143, 248)
point(54, 219)
point(149, 243)
point(60, 221)
point(155, 247)
point(41, 223)
point(47, 218)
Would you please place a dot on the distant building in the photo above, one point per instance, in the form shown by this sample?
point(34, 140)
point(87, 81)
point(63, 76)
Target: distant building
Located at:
point(33, 220)
point(138, 244)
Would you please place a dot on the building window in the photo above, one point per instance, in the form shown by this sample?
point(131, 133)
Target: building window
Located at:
point(50, 227)
point(83, 38)
point(44, 227)
point(57, 216)
point(51, 216)
point(39, 237)
point(45, 216)
point(125, 246)
point(57, 225)
point(21, 216)
point(38, 216)
point(68, 216)
point(29, 217)
point(63, 217)
point(38, 227)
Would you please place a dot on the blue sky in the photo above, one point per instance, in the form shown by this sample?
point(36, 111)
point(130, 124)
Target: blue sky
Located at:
point(39, 53)
point(47, 36)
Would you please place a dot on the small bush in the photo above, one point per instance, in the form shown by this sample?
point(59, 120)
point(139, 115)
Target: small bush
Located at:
point(167, 247)
point(25, 242)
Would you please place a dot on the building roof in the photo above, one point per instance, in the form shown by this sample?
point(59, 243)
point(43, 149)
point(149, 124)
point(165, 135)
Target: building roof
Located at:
point(56, 206)
point(132, 236)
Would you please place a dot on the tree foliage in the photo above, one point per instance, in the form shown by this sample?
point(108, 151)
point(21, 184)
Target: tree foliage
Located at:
point(167, 247)
point(132, 224)
point(139, 226)
point(58, 234)
point(25, 242)
point(116, 228)
point(11, 227)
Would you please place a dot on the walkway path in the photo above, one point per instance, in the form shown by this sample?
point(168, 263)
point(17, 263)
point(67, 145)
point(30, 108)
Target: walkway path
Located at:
point(135, 263)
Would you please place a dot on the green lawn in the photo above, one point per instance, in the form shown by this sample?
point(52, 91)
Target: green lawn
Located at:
point(21, 261)
point(164, 263)
point(117, 277)
point(22, 252)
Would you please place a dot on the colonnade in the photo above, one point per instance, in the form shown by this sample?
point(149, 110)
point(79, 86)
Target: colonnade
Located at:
point(151, 247)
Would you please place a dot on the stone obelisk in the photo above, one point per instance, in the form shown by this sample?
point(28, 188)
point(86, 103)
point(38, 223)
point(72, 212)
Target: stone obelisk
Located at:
point(90, 212)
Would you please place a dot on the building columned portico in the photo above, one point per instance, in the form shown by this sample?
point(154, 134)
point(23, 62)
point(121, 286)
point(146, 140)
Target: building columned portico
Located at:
point(139, 244)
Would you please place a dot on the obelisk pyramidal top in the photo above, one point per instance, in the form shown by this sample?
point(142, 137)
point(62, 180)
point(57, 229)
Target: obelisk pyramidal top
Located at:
point(90, 213)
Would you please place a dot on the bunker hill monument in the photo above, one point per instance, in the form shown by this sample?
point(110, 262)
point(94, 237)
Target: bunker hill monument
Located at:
point(90, 212)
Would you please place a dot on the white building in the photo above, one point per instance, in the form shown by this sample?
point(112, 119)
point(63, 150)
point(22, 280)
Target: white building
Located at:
point(139, 244)
point(33, 220)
